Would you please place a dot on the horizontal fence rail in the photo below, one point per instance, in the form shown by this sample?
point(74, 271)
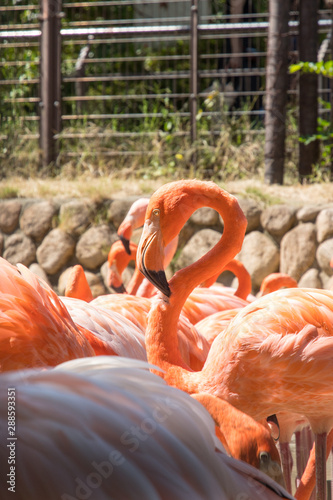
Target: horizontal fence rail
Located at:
point(127, 75)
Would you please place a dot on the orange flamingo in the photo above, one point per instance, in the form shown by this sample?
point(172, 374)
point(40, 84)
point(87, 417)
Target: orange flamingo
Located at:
point(275, 281)
point(118, 260)
point(150, 440)
point(36, 328)
point(201, 302)
point(134, 219)
point(244, 279)
point(108, 332)
point(284, 336)
point(211, 326)
point(243, 437)
point(193, 347)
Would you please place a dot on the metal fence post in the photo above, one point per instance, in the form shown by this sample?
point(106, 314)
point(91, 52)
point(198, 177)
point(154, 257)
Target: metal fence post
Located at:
point(50, 80)
point(194, 75)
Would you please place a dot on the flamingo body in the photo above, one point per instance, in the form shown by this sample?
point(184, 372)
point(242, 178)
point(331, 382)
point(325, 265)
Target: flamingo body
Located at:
point(36, 329)
point(193, 346)
point(276, 354)
point(107, 331)
point(108, 428)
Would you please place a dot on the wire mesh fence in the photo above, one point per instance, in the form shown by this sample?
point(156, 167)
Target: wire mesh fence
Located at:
point(131, 69)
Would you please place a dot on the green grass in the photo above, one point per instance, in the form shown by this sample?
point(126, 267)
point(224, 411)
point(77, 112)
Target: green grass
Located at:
point(259, 195)
point(8, 192)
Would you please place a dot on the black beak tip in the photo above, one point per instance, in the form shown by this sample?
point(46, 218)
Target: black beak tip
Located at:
point(159, 280)
point(126, 244)
point(119, 289)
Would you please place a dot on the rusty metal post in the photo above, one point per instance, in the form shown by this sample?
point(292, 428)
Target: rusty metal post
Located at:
point(50, 79)
point(194, 76)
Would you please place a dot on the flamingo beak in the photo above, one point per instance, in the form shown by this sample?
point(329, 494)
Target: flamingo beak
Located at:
point(114, 280)
point(119, 289)
point(125, 231)
point(126, 244)
point(150, 256)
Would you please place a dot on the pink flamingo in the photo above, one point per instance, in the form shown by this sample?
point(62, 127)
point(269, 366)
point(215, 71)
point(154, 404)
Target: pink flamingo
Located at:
point(36, 329)
point(275, 281)
point(284, 336)
point(134, 219)
point(106, 427)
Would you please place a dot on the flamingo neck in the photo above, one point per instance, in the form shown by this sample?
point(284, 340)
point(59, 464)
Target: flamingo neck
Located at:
point(135, 282)
point(146, 289)
point(185, 280)
point(244, 278)
point(161, 334)
point(275, 281)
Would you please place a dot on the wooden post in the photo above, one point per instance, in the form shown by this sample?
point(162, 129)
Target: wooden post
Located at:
point(276, 91)
point(194, 76)
point(50, 80)
point(308, 87)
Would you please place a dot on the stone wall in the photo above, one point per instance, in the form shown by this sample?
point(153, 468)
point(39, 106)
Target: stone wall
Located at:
point(51, 236)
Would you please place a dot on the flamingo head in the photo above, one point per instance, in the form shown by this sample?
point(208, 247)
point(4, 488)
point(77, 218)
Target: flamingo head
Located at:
point(150, 255)
point(118, 260)
point(134, 219)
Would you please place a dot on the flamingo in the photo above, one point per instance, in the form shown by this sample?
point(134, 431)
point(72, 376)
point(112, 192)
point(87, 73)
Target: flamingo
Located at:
point(199, 305)
point(77, 284)
point(36, 329)
point(108, 428)
point(105, 337)
point(243, 437)
point(118, 260)
point(276, 354)
point(211, 326)
point(194, 347)
point(244, 279)
point(107, 331)
point(134, 219)
point(202, 302)
point(275, 281)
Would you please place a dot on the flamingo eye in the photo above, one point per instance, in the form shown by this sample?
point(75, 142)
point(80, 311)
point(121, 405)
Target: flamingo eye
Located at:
point(156, 212)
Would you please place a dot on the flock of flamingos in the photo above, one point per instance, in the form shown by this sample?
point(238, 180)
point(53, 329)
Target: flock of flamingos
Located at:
point(179, 389)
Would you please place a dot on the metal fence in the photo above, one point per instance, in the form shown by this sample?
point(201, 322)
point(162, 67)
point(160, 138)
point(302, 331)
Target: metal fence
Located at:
point(123, 69)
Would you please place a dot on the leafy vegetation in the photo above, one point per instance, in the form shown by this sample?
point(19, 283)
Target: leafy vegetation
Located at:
point(157, 144)
point(324, 133)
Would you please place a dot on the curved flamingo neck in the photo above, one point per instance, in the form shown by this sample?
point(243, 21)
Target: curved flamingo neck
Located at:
point(185, 280)
point(244, 278)
point(275, 281)
point(161, 335)
point(118, 255)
